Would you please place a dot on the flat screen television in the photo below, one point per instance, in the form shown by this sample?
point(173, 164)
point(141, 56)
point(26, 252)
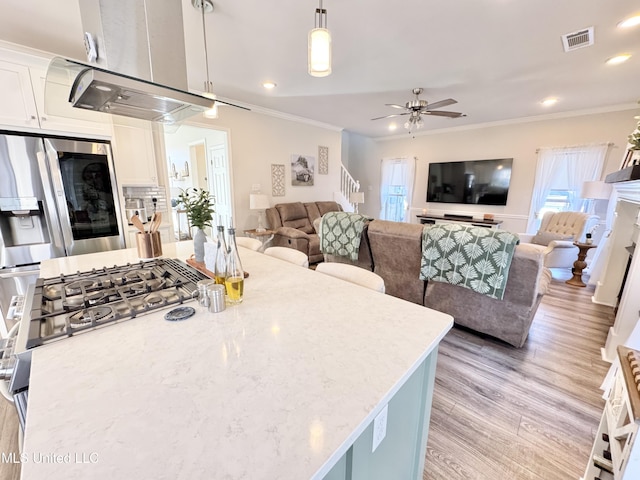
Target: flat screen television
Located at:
point(476, 182)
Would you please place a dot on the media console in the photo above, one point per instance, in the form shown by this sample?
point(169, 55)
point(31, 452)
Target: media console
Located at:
point(451, 218)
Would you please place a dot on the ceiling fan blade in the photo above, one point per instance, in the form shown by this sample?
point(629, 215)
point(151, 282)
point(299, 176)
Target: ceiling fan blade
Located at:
point(392, 115)
point(443, 113)
point(441, 103)
point(395, 105)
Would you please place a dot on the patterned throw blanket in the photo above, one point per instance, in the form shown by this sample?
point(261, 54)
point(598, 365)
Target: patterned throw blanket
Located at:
point(340, 233)
point(477, 258)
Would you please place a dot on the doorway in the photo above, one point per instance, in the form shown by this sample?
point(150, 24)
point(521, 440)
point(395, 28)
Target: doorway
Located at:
point(199, 158)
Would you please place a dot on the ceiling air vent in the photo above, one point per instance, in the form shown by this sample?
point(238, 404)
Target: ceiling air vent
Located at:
point(579, 39)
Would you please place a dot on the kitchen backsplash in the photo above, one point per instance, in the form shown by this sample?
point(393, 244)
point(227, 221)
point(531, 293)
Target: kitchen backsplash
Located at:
point(147, 194)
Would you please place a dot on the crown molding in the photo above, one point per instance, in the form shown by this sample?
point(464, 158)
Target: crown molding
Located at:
point(515, 121)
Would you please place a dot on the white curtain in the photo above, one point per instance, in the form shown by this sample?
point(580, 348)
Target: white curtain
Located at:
point(565, 168)
point(396, 188)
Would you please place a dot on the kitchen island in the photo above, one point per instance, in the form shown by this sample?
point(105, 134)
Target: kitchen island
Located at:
point(285, 385)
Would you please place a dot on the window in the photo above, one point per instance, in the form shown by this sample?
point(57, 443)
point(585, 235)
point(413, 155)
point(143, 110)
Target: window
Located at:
point(560, 173)
point(557, 201)
point(396, 187)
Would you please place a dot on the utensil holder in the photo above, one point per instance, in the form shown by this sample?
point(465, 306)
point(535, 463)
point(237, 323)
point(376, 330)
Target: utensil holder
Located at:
point(149, 244)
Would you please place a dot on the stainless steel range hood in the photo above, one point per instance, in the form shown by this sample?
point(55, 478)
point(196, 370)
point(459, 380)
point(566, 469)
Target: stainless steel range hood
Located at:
point(99, 90)
point(140, 67)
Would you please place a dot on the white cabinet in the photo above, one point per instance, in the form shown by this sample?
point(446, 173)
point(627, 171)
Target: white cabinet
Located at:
point(616, 450)
point(133, 153)
point(16, 96)
point(22, 96)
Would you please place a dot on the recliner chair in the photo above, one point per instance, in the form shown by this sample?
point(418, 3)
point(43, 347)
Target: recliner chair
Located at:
point(558, 231)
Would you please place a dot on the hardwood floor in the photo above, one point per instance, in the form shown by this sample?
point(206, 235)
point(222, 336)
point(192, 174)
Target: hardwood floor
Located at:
point(501, 413)
point(530, 413)
point(8, 441)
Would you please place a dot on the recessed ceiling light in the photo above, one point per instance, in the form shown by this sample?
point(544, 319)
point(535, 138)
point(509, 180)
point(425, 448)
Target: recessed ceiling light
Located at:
point(618, 59)
point(392, 126)
point(547, 102)
point(269, 85)
point(630, 22)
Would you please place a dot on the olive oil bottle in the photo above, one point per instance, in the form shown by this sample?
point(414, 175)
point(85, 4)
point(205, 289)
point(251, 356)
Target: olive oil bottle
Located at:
point(234, 280)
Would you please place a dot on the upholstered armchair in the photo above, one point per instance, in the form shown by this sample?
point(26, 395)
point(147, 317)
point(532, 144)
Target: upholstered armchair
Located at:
point(558, 231)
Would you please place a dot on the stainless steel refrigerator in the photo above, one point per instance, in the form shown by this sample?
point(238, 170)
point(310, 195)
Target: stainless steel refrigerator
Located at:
point(58, 197)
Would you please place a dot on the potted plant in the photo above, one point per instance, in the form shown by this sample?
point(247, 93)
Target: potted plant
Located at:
point(199, 205)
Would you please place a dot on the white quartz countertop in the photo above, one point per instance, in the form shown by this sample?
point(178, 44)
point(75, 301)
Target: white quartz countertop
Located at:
point(277, 387)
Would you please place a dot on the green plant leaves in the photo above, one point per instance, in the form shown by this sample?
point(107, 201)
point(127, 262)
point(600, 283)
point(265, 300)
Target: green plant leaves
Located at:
point(199, 205)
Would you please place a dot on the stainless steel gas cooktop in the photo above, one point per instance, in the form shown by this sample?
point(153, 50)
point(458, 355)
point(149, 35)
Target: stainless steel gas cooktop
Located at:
point(70, 304)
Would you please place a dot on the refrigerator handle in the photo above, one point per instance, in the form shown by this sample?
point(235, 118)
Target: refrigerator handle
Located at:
point(53, 220)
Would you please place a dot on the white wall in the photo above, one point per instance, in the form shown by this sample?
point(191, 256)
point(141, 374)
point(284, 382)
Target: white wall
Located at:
point(177, 152)
point(256, 141)
point(517, 140)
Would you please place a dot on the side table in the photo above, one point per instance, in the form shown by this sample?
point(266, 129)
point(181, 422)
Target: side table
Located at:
point(580, 264)
point(265, 237)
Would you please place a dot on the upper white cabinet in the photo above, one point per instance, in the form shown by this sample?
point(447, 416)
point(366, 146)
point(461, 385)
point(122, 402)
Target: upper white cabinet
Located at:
point(133, 152)
point(22, 96)
point(16, 96)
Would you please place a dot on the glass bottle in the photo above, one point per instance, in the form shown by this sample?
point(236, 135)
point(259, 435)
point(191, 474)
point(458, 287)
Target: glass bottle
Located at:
point(234, 281)
point(221, 257)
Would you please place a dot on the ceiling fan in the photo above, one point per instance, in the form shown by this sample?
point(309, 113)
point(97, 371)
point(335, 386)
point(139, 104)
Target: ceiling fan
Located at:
point(416, 108)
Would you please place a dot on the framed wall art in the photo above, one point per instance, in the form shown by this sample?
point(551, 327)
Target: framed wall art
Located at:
point(323, 160)
point(302, 170)
point(277, 180)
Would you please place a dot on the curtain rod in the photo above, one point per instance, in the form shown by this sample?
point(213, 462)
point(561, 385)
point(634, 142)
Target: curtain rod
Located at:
point(609, 144)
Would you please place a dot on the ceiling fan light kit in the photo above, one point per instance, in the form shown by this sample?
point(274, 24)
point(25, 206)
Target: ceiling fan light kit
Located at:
point(319, 58)
point(417, 107)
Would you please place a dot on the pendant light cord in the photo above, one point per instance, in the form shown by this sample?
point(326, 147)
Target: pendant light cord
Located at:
point(206, 53)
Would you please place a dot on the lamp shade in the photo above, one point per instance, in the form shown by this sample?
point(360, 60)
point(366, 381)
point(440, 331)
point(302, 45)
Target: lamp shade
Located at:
point(258, 201)
point(356, 197)
point(319, 52)
point(596, 190)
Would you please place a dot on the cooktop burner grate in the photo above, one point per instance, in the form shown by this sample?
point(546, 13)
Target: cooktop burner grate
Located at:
point(69, 304)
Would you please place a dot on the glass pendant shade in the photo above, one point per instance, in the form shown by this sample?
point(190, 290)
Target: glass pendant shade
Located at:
point(319, 52)
point(213, 111)
point(414, 123)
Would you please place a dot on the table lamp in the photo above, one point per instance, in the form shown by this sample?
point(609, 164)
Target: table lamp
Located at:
point(260, 202)
point(356, 198)
point(595, 190)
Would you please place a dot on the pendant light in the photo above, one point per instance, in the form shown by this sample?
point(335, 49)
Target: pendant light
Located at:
point(206, 6)
point(320, 45)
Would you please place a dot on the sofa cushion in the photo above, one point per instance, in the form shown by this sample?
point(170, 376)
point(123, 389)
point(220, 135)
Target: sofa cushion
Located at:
point(545, 238)
point(312, 213)
point(324, 207)
point(301, 224)
point(294, 215)
point(396, 249)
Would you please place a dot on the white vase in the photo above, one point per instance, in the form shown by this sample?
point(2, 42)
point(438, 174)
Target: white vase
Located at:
point(199, 240)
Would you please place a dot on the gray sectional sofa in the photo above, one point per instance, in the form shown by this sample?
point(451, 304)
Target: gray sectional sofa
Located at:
point(393, 250)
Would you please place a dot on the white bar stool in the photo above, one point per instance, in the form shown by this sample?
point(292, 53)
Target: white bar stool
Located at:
point(353, 274)
point(290, 255)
